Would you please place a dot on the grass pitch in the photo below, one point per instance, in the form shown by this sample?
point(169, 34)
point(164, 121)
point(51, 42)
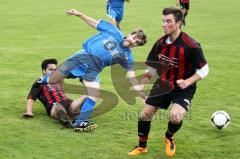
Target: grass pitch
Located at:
point(32, 30)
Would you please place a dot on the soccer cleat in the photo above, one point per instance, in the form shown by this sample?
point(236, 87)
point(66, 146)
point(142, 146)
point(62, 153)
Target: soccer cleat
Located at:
point(84, 126)
point(137, 151)
point(170, 146)
point(64, 119)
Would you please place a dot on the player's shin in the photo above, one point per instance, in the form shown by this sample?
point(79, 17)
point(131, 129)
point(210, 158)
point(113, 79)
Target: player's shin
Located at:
point(172, 129)
point(143, 131)
point(85, 111)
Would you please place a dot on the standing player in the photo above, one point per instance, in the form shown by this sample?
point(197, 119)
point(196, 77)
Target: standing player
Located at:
point(56, 103)
point(186, 65)
point(115, 11)
point(184, 5)
point(107, 48)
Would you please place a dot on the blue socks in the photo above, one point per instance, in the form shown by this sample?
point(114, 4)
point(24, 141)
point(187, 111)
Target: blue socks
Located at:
point(86, 110)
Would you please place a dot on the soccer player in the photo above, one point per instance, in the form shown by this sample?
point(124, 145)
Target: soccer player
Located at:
point(115, 11)
point(107, 48)
point(184, 5)
point(186, 65)
point(56, 103)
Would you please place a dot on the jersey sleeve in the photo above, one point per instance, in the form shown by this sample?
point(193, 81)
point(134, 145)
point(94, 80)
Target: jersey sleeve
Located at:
point(152, 58)
point(106, 27)
point(198, 58)
point(35, 91)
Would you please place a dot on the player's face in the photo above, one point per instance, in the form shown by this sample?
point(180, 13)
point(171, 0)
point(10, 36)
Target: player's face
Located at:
point(132, 41)
point(50, 68)
point(170, 26)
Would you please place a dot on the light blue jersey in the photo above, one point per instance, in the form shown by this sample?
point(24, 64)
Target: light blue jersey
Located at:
point(107, 47)
point(101, 50)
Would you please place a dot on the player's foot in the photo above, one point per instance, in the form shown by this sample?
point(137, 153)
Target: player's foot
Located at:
point(84, 126)
point(137, 151)
point(64, 119)
point(170, 146)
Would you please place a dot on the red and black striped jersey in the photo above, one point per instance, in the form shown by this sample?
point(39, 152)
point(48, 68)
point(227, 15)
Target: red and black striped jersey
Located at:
point(178, 60)
point(184, 1)
point(48, 94)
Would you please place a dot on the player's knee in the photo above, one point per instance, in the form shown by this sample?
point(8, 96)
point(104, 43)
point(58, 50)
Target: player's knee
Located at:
point(55, 110)
point(176, 118)
point(147, 115)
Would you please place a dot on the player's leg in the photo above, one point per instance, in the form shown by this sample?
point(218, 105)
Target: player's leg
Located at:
point(144, 124)
point(60, 73)
point(119, 17)
point(112, 15)
point(184, 8)
point(82, 123)
point(118, 24)
point(56, 77)
point(176, 116)
point(77, 104)
point(59, 112)
point(153, 103)
point(181, 102)
point(64, 70)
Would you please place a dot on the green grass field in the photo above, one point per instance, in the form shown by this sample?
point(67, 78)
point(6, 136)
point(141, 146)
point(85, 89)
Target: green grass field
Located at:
point(32, 30)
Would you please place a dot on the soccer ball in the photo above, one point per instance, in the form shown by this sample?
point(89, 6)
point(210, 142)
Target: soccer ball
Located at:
point(220, 119)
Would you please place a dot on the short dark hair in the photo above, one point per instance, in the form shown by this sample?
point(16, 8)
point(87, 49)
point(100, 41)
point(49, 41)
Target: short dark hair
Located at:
point(141, 35)
point(46, 62)
point(177, 13)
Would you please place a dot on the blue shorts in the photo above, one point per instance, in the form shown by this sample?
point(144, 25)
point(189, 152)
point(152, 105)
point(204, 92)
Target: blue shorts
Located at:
point(83, 66)
point(115, 13)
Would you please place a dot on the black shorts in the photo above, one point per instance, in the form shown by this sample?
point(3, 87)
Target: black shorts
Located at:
point(182, 97)
point(66, 104)
point(184, 5)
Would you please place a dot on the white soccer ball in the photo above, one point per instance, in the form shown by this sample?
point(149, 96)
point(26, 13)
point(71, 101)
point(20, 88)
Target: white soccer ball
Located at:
point(220, 119)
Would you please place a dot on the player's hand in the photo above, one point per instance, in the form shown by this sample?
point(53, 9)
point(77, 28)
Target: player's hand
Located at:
point(73, 12)
point(182, 83)
point(27, 115)
point(143, 82)
point(142, 96)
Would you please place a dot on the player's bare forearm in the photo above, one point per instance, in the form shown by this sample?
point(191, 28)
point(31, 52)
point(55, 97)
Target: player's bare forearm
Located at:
point(133, 80)
point(143, 82)
point(189, 81)
point(89, 20)
point(135, 83)
point(149, 73)
point(29, 108)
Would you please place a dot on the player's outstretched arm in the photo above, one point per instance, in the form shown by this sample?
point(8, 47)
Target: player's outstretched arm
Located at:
point(89, 20)
point(28, 113)
point(134, 82)
point(149, 73)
